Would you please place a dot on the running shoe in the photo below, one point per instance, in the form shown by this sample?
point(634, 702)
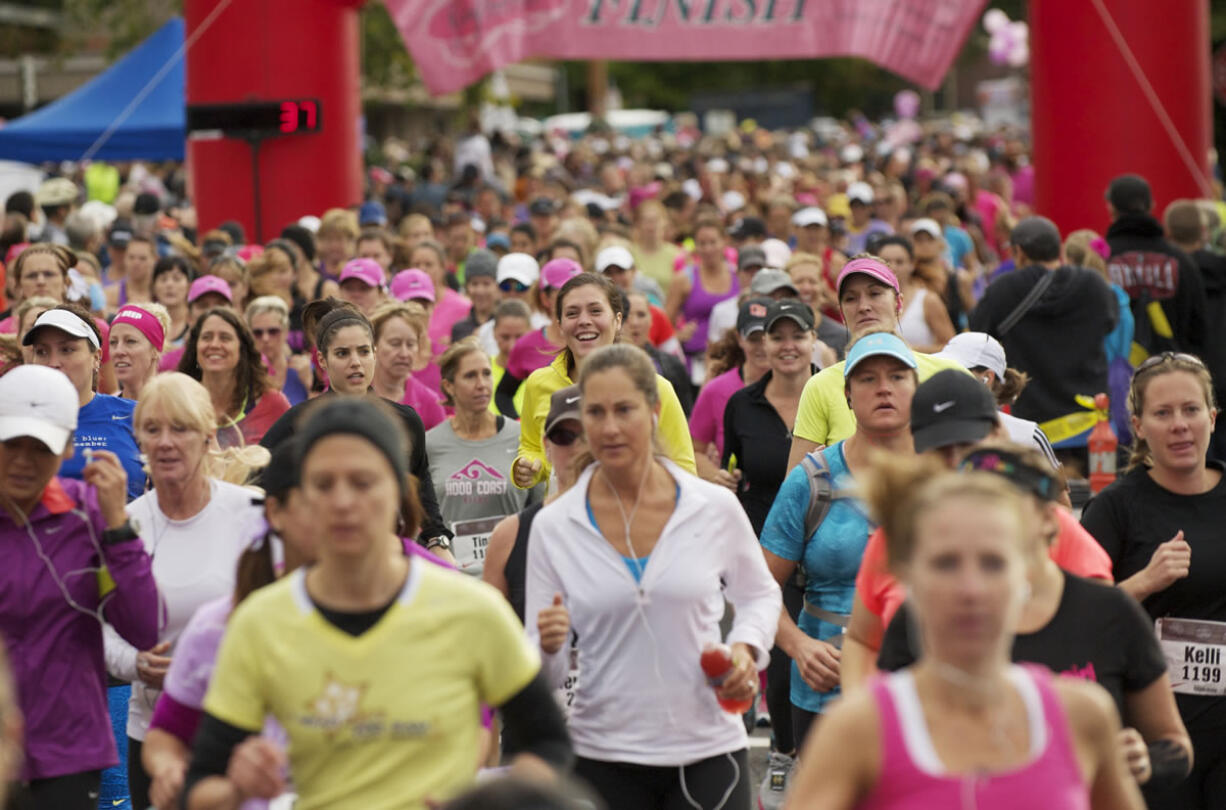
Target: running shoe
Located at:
point(775, 783)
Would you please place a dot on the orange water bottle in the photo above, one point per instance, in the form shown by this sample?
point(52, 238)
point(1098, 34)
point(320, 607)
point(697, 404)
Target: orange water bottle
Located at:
point(1102, 446)
point(717, 666)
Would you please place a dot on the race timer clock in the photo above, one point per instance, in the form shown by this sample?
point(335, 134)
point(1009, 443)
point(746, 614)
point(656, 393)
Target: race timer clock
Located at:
point(257, 118)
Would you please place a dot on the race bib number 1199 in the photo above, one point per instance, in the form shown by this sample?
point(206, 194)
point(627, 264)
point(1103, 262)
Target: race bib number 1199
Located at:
point(1195, 651)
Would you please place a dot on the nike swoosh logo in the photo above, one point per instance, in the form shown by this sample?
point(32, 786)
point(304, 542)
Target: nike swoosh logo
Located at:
point(118, 417)
point(943, 406)
point(571, 400)
point(117, 802)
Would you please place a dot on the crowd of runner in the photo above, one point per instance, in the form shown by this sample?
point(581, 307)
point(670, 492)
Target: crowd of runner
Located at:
point(825, 399)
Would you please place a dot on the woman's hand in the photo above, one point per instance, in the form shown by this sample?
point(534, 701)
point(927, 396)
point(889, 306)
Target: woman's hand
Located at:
point(167, 783)
point(1171, 562)
point(686, 330)
point(731, 480)
point(524, 471)
point(106, 475)
point(553, 626)
point(151, 665)
point(301, 364)
point(1136, 754)
point(742, 682)
point(256, 769)
point(818, 662)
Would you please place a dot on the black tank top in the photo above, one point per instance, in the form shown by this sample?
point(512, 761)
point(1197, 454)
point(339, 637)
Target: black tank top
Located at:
point(516, 569)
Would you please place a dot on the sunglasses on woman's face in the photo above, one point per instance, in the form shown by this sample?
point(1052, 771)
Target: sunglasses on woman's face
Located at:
point(564, 437)
point(512, 286)
point(272, 332)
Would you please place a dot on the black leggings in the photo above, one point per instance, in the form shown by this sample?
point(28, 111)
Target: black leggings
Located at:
point(624, 786)
point(138, 781)
point(779, 679)
point(802, 721)
point(1205, 787)
point(73, 791)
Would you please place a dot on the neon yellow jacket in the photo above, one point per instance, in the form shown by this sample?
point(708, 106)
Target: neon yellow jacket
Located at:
point(673, 432)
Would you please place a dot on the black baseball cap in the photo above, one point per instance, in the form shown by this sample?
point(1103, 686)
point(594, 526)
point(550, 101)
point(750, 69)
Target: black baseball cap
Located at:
point(748, 228)
point(752, 317)
point(789, 309)
point(1130, 194)
point(120, 234)
point(147, 203)
point(951, 407)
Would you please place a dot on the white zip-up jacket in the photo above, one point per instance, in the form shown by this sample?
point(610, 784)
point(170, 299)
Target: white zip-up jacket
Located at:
point(642, 696)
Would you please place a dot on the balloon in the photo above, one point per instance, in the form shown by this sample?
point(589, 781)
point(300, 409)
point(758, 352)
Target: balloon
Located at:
point(906, 103)
point(1019, 31)
point(994, 20)
point(1019, 56)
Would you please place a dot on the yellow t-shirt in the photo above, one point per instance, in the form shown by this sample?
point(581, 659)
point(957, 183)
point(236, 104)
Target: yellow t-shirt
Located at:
point(824, 416)
point(386, 719)
point(673, 430)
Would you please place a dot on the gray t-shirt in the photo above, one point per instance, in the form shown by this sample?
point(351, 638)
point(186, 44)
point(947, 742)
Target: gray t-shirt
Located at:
point(472, 480)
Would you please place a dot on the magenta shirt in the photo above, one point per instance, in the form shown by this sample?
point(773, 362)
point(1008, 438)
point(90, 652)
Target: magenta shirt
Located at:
point(707, 419)
point(424, 400)
point(530, 352)
point(448, 310)
point(431, 376)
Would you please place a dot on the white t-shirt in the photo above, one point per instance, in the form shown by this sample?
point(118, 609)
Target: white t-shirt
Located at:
point(1029, 434)
point(194, 562)
point(723, 318)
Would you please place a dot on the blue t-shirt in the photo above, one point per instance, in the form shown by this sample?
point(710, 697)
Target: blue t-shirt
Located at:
point(831, 557)
point(958, 244)
point(105, 423)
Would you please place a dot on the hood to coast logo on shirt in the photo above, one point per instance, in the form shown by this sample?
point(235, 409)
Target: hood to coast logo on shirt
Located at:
point(475, 478)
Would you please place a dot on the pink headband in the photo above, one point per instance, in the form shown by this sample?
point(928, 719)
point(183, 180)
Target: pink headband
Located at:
point(144, 322)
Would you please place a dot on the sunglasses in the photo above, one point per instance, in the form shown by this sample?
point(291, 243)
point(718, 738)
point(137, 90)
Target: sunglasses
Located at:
point(511, 285)
point(564, 437)
point(272, 333)
point(1168, 357)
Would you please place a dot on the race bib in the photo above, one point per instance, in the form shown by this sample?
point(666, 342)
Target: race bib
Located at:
point(1194, 651)
point(472, 538)
point(565, 694)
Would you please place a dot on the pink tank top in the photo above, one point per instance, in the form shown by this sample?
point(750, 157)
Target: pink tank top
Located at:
point(913, 777)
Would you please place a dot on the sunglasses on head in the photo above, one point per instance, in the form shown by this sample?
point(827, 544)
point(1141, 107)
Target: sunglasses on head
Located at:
point(511, 285)
point(1018, 472)
point(1167, 357)
point(271, 332)
point(564, 437)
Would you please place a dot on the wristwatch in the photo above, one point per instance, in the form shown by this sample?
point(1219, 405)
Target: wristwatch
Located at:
point(442, 541)
point(122, 534)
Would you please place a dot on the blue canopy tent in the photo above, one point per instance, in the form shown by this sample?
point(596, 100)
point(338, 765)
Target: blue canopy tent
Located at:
point(132, 111)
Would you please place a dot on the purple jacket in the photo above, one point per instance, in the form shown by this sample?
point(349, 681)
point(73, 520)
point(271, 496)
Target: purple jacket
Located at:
point(56, 650)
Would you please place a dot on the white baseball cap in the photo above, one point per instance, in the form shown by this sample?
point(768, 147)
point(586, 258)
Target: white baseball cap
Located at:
point(518, 266)
point(976, 350)
point(64, 321)
point(811, 215)
point(928, 226)
point(39, 402)
point(614, 256)
point(777, 252)
point(860, 192)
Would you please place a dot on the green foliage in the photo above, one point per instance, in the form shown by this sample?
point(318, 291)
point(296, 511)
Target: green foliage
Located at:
point(126, 22)
point(385, 61)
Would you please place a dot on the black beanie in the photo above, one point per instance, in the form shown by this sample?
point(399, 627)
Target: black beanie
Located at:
point(355, 416)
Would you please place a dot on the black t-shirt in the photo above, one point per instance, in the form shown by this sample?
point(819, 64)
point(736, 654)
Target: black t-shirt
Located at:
point(756, 434)
point(1131, 518)
point(1098, 633)
point(419, 465)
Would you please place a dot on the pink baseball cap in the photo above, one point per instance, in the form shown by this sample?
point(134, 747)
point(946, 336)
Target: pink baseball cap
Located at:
point(249, 252)
point(144, 322)
point(413, 283)
point(367, 271)
point(557, 272)
point(209, 284)
point(869, 267)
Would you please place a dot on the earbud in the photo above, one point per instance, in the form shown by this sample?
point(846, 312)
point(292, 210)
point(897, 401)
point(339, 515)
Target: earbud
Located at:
point(655, 420)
